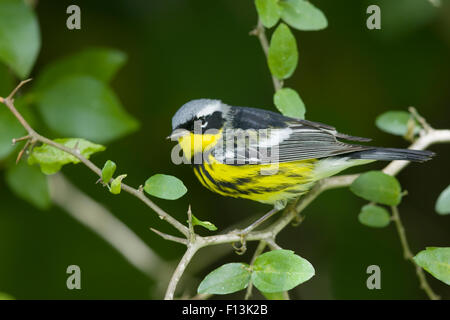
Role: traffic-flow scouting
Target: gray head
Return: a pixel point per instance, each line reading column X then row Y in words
column 211, row 112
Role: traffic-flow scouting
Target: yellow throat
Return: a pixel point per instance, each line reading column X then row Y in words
column 192, row 144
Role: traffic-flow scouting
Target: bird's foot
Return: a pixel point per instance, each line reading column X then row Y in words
column 298, row 219
column 241, row 247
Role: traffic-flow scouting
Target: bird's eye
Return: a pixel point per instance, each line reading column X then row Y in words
column 204, row 124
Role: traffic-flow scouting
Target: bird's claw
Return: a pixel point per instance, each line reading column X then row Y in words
column 298, row 219
column 242, row 248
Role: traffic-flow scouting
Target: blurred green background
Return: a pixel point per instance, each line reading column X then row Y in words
column 180, row 50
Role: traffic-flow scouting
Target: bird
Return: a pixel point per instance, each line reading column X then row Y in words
column 267, row 157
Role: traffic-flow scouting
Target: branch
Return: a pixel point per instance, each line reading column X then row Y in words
column 269, row 234
column 428, row 136
column 260, row 32
column 34, row 137
column 187, row 257
column 169, row 237
column 407, row 254
column 259, row 250
column 195, row 242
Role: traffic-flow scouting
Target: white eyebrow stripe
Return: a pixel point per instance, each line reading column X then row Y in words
column 209, row 109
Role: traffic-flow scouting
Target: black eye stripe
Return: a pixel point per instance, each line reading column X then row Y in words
column 213, row 121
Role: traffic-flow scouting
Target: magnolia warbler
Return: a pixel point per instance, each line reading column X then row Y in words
column 264, row 156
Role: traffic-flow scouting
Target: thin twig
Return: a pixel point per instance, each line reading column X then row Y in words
column 9, row 102
column 407, row 254
column 260, row 32
column 273, row 245
column 335, row 182
column 431, row 137
column 259, row 249
column 169, row 237
column 393, row 168
column 13, row 93
column 423, row 142
column 420, row 119
column 25, row 147
column 187, row 257
column 15, row 140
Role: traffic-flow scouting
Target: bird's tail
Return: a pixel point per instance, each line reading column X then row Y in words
column 389, row 154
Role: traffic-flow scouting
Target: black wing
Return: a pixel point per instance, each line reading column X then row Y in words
column 289, row 139
column 314, row 142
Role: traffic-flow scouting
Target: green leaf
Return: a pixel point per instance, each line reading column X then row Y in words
column 443, row 202
column 436, row 261
column 205, row 224
column 99, row 63
column 52, row 159
column 280, row 270
column 396, row 122
column 85, row 107
column 116, row 184
column 283, row 54
column 274, row 295
column 20, row 39
column 165, row 187
column 108, row 171
column 302, row 15
column 74, row 99
column 229, row 278
column 374, row 216
column 268, row 11
column 28, row 183
column 379, row 187
column 289, row 103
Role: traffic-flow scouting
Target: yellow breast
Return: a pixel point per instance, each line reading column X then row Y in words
column 250, row 181
column 288, row 180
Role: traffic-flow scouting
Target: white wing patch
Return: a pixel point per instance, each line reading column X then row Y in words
column 273, row 137
column 277, row 145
